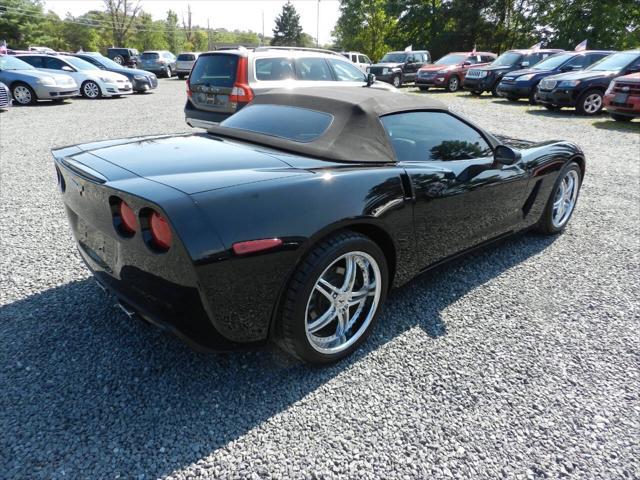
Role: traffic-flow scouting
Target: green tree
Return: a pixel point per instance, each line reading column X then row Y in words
column 366, row 26
column 149, row 34
column 21, row 22
column 288, row 30
column 122, row 17
column 171, row 30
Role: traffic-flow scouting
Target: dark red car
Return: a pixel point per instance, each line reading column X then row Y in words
column 622, row 98
column 449, row 71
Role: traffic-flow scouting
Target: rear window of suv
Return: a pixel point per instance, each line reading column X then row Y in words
column 186, row 57
column 216, row 70
column 150, row 55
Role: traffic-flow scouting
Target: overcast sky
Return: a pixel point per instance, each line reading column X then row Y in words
column 229, row 14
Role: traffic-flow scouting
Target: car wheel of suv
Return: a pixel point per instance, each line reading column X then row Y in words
column 475, row 93
column 333, row 299
column 118, row 59
column 424, row 89
column 532, row 98
column 552, row 108
column 23, row 94
column 562, row 200
column 512, row 98
column 396, row 81
column 168, row 72
column 494, row 90
column 620, row 118
column 590, row 102
column 91, row 90
column 182, row 75
column 454, row 84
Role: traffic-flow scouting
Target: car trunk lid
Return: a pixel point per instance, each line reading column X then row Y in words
column 212, row 80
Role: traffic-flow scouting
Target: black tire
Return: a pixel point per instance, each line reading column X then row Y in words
column 182, row 76
column 168, row 72
column 291, row 329
column 546, row 225
column 424, row 89
column 552, row 108
column 587, row 102
column 453, row 85
column 475, row 93
column 23, row 94
column 494, row 89
column 512, row 98
column 119, row 59
column 88, row 89
column 396, row 81
column 620, row 118
column 532, row 98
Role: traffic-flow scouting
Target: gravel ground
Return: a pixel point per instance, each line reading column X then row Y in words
column 517, row 362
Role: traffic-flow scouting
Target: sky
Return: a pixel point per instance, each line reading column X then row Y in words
column 229, row 14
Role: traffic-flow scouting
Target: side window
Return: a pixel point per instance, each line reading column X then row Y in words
column 472, row 59
column 313, row 69
column 54, row 63
column 33, row 61
column 354, row 58
column 594, row 57
column 362, row 59
column 272, row 69
column 346, row 72
column 367, row 59
column 579, row 61
column 439, row 136
column 411, row 58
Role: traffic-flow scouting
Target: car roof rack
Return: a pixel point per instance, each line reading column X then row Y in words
column 302, row 49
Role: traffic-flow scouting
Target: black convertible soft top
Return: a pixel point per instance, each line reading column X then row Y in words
column 356, row 133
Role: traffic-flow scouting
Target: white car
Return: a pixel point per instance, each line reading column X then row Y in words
column 360, row 59
column 185, row 62
column 94, row 83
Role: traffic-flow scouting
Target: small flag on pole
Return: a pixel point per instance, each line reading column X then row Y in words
column 409, row 48
column 473, row 52
column 3, row 47
column 581, row 47
column 536, row 46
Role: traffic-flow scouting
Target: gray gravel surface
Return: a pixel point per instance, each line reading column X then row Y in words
column 517, row 362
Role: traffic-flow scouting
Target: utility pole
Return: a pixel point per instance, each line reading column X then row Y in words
column 318, row 25
column 208, row 35
column 262, row 40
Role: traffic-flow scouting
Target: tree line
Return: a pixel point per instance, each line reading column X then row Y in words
column 441, row 26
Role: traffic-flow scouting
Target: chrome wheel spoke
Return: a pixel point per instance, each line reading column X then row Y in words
column 323, row 320
column 326, row 289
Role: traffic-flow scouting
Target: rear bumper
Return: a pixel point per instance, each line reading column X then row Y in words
column 557, row 97
column 203, row 119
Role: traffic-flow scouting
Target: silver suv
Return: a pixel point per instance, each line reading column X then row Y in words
column 224, row 81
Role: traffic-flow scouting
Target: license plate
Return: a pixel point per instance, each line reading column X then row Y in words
column 98, row 246
column 213, row 99
column 621, row 97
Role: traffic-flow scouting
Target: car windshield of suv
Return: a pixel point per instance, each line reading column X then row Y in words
column 614, row 62
column 451, row 60
column 149, row 56
column 13, row 63
column 394, row 58
column 507, row 59
column 293, row 123
column 80, row 64
column 553, row 62
column 215, row 70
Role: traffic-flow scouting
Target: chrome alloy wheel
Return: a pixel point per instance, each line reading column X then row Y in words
column 343, row 302
column 91, row 90
column 565, row 198
column 453, row 84
column 22, row 95
column 593, row 103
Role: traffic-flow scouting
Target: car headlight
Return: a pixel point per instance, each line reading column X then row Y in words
column 385, row 71
column 483, row 73
column 568, row 83
column 47, row 81
column 106, row 79
column 525, row 77
column 139, row 77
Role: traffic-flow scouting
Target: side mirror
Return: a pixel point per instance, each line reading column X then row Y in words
column 371, row 78
column 67, row 68
column 504, row 155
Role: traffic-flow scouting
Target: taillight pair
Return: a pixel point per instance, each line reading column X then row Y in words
column 154, row 226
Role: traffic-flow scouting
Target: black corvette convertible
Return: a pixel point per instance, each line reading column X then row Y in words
column 291, row 220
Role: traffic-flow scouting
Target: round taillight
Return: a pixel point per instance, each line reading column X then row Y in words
column 128, row 216
column 160, row 231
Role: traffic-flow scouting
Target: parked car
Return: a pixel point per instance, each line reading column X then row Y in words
column 359, row 59
column 487, row 78
column 585, row 90
column 94, row 83
column 48, row 50
column 397, row 68
column 160, row 62
column 28, row 85
column 449, row 71
column 523, row 83
column 128, row 57
column 199, row 233
column 141, row 80
column 184, row 63
column 622, row 98
column 5, row 96
column 223, row 82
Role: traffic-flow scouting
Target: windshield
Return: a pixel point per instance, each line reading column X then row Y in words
column 614, row 62
column 507, row 59
column 394, row 58
column 451, row 60
column 107, row 62
column 80, row 64
column 13, row 63
column 553, row 62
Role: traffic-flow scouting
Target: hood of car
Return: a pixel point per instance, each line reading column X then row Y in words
column 584, row 75
column 527, row 71
column 438, row 68
column 388, row 65
column 192, row 163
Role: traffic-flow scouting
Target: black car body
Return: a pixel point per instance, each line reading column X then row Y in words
column 585, row 90
column 397, row 68
column 141, row 80
column 127, row 57
column 244, row 212
column 487, row 78
column 523, row 83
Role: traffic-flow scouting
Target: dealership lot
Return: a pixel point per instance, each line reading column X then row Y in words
column 517, row 362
